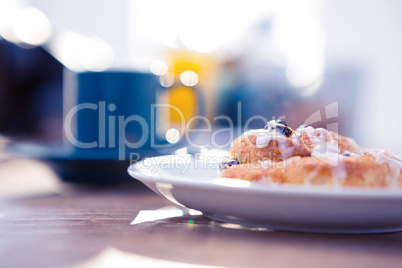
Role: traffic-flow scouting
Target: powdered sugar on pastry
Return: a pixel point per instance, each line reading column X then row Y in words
column 264, row 137
column 312, row 156
column 394, row 163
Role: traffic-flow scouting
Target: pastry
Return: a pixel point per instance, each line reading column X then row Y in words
column 310, row 156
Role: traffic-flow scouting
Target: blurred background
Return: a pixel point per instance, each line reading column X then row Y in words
column 247, row 58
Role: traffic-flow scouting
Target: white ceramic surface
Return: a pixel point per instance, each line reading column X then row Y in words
column 195, row 183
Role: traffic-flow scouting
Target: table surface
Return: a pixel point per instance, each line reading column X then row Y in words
column 46, row 223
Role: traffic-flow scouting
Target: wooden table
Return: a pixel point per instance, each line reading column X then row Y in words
column 127, row 225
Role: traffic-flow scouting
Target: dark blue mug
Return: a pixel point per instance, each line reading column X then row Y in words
column 112, row 114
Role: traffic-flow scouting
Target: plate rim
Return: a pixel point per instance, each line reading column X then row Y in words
column 259, row 188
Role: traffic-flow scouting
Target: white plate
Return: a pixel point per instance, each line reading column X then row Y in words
column 195, row 183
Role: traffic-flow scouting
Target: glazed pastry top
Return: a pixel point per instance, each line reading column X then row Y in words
column 278, row 143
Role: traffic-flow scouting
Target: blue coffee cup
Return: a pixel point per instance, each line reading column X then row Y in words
column 111, row 114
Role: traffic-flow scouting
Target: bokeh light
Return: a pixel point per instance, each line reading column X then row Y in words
column 8, row 14
column 172, row 135
column 158, row 67
column 300, row 38
column 167, row 80
column 79, row 53
column 32, row 27
column 97, row 55
column 24, row 25
column 189, row 78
